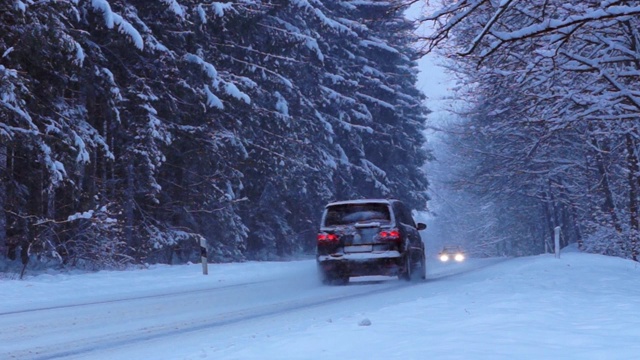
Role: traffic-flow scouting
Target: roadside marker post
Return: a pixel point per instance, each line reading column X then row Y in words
column 203, row 255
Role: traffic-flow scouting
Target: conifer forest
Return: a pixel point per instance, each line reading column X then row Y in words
column 132, row 129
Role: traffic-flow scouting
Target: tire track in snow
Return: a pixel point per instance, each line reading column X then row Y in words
column 131, row 298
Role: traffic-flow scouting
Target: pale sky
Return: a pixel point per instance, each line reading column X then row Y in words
column 432, row 80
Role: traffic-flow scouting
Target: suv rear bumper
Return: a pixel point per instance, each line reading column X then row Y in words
column 388, row 263
column 365, row 256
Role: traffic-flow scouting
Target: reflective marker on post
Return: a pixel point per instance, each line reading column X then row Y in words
column 203, row 255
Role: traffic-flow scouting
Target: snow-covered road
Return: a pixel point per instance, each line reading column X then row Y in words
column 581, row 306
column 78, row 324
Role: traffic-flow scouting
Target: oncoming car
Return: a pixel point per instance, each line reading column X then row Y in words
column 369, row 237
column 452, row 253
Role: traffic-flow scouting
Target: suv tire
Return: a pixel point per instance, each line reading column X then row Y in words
column 407, row 272
column 423, row 266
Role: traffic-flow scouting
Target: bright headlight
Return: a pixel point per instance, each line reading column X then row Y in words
column 459, row 257
column 444, row 257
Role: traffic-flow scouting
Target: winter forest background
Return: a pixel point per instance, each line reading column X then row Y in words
column 131, row 129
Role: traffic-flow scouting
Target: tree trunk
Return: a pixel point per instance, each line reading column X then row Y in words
column 632, row 164
column 4, row 177
column 608, row 207
column 578, row 230
column 568, row 227
column 129, row 204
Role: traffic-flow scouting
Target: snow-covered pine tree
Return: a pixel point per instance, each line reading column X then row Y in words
column 397, row 145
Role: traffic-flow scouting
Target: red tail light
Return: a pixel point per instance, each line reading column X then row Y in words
column 327, row 237
column 392, row 234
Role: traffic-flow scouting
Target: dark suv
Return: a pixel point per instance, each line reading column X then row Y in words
column 369, row 237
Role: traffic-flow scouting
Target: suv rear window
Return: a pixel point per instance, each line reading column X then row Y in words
column 352, row 213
